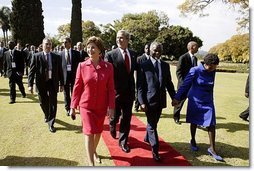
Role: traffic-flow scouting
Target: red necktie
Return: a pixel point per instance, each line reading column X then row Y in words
column 127, row 61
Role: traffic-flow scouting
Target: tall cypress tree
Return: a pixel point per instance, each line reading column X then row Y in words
column 27, row 21
column 76, row 22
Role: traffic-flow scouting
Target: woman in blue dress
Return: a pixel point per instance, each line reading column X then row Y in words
column 198, row 87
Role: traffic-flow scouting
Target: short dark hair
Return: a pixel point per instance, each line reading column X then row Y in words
column 211, row 58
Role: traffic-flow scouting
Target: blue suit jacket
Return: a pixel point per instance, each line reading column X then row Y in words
column 151, row 89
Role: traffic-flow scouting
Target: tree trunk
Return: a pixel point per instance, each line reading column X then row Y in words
column 76, row 22
column 4, row 38
column 7, row 37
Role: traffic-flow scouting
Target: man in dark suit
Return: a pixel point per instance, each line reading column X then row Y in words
column 70, row 61
column 2, row 50
column 14, row 70
column 82, row 52
column 184, row 65
column 47, row 68
column 245, row 114
column 153, row 79
column 140, row 60
column 124, row 62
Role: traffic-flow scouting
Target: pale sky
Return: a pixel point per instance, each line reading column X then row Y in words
column 219, row 26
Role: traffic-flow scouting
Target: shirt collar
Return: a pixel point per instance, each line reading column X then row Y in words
column 154, row 60
column 190, row 55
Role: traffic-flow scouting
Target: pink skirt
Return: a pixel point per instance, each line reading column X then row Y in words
column 92, row 120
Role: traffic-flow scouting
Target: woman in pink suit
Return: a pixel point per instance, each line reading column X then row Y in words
column 94, row 94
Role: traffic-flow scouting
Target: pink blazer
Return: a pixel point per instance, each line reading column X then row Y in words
column 94, row 87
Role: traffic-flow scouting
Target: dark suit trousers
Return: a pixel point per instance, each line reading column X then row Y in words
column 68, row 87
column 153, row 115
column 13, row 80
column 178, row 108
column 48, row 101
column 136, row 102
column 123, row 110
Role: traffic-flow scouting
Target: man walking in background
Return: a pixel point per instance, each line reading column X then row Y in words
column 2, row 50
column 14, row 70
column 70, row 60
column 245, row 114
column 140, row 60
column 185, row 62
column 46, row 67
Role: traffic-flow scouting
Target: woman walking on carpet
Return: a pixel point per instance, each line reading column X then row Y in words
column 94, row 94
column 198, row 86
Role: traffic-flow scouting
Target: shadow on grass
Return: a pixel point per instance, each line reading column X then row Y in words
column 68, row 127
column 233, row 126
column 4, row 89
column 226, row 151
column 35, row 161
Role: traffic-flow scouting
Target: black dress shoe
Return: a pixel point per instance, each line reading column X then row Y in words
column 156, row 157
column 245, row 119
column 11, row 102
column 112, row 132
column 23, row 95
column 177, row 121
column 68, row 113
column 125, row 148
column 52, row 129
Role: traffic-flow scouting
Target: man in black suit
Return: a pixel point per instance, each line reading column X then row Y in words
column 140, row 60
column 2, row 50
column 70, row 61
column 153, row 79
column 47, row 68
column 82, row 52
column 124, row 62
column 245, row 114
column 185, row 62
column 14, row 69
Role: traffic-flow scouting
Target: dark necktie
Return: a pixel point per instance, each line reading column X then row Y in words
column 194, row 61
column 156, row 67
column 47, row 65
column 127, row 61
column 68, row 58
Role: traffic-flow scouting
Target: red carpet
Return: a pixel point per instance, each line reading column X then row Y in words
column 140, row 154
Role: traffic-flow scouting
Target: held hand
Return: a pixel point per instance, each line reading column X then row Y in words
column 110, row 113
column 73, row 114
column 175, row 102
column 143, row 107
column 30, row 89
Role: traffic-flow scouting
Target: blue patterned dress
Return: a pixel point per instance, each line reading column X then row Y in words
column 198, row 87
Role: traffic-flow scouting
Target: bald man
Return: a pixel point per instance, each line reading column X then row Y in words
column 185, row 63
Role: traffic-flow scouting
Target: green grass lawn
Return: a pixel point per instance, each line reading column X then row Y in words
column 26, row 141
